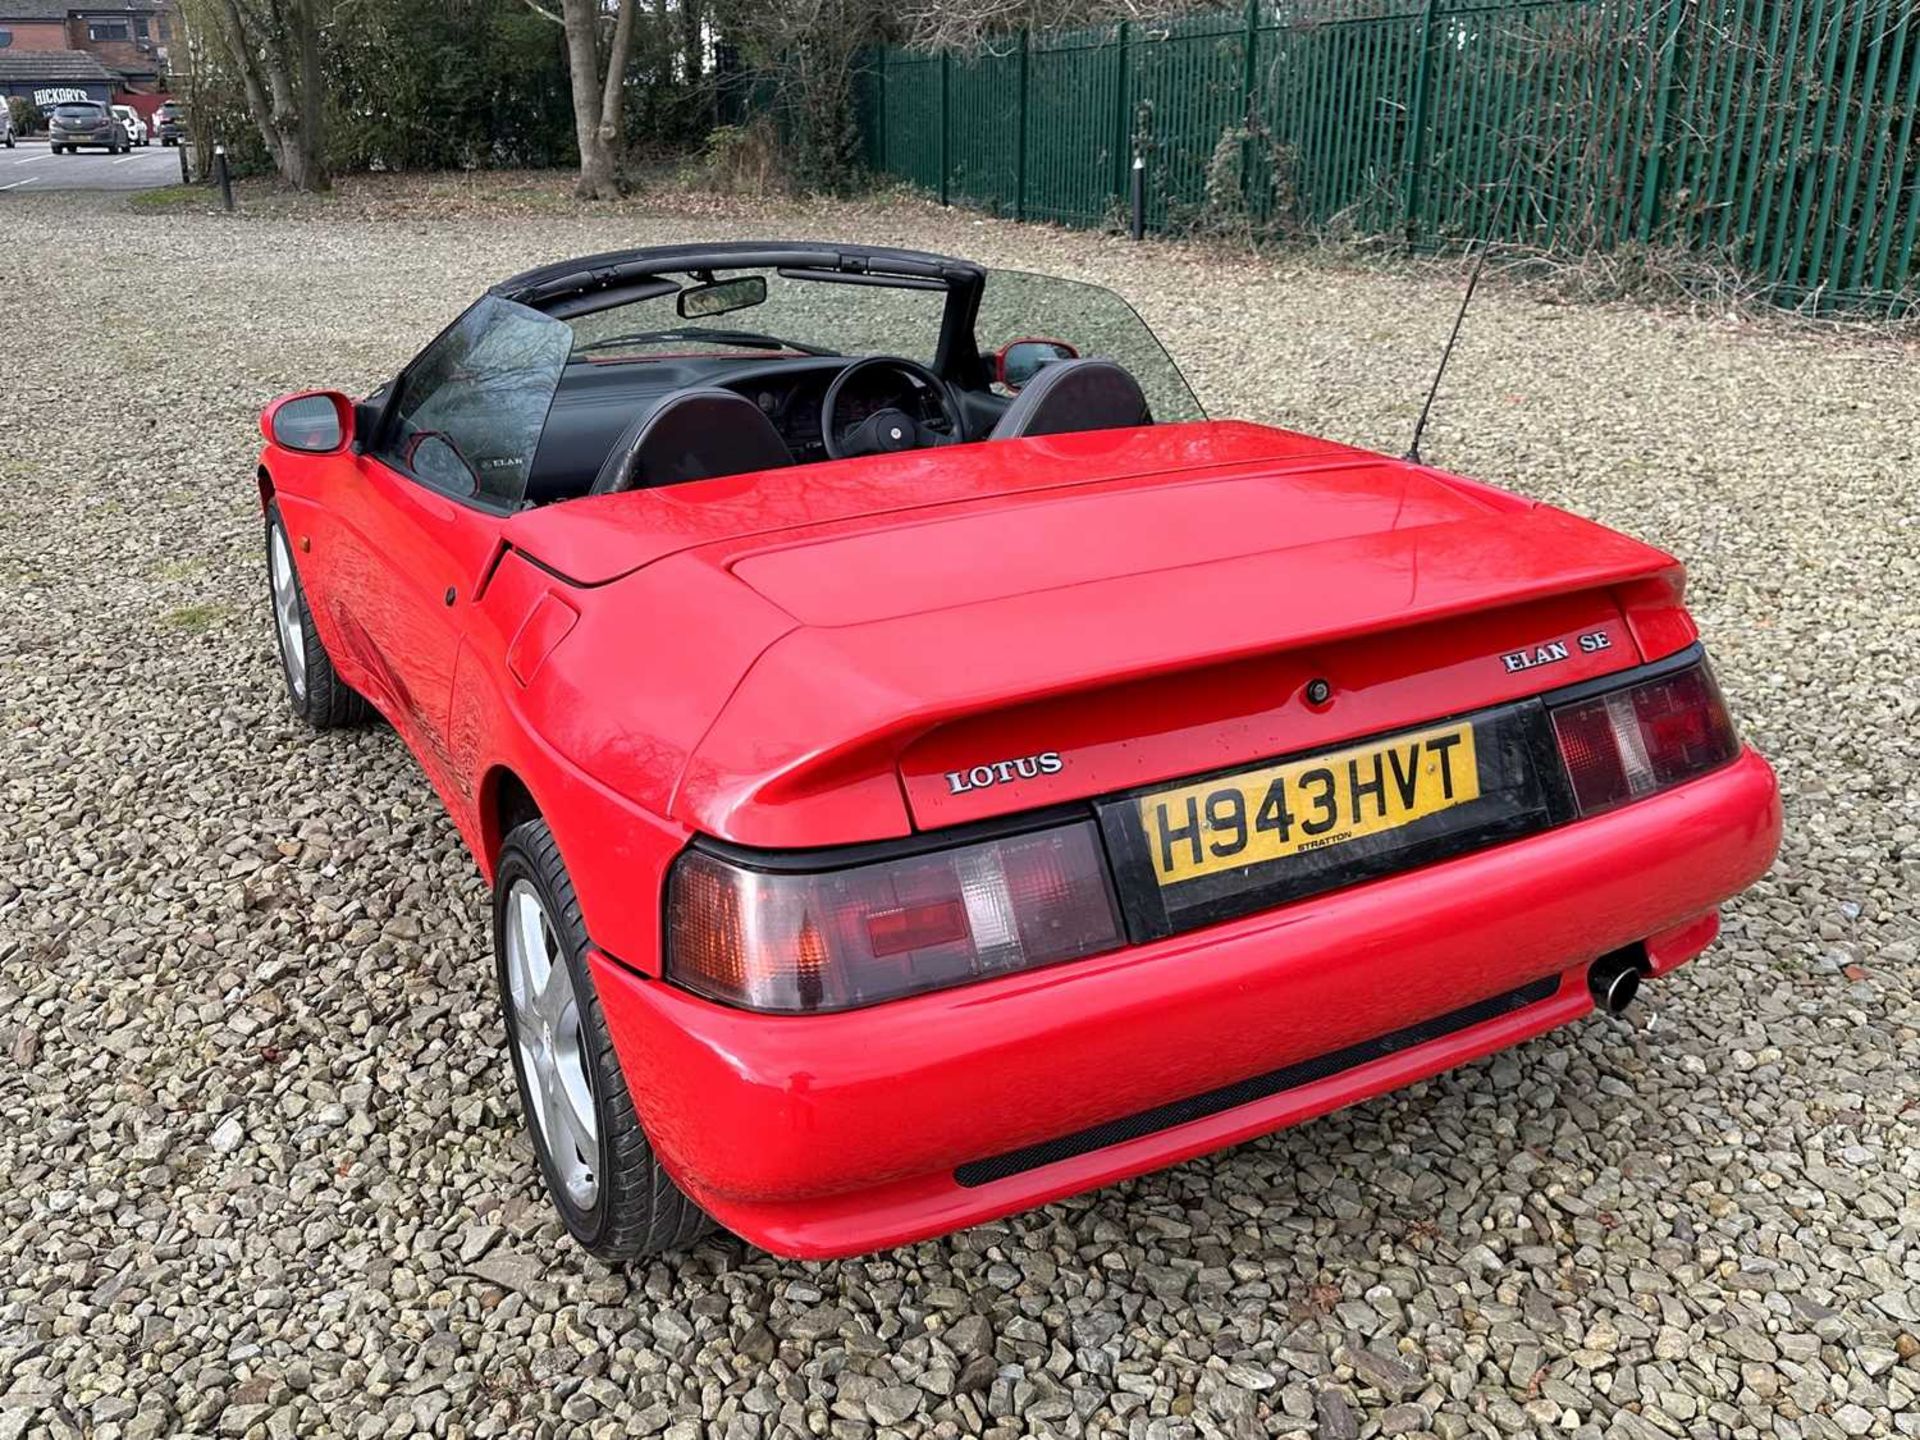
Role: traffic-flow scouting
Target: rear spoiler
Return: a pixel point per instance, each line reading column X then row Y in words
column 850, row 698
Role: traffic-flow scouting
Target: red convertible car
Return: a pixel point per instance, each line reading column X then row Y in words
column 925, row 768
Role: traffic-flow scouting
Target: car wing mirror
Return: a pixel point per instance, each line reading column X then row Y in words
column 314, row 422
column 1018, row 361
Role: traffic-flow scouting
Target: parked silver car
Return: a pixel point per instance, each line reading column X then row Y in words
column 6, row 124
column 78, row 123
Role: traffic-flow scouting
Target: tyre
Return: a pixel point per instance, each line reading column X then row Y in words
column 600, row 1171
column 318, row 694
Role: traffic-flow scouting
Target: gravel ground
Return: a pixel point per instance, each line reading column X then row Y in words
column 265, row 1172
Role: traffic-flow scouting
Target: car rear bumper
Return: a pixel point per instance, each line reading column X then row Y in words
column 837, row 1134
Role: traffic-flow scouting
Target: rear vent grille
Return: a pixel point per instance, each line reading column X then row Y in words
column 1244, row 1092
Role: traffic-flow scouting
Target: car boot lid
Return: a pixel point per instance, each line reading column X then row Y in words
column 971, row 661
column 596, row 540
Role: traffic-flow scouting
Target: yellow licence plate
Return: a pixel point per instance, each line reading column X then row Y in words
column 1282, row 810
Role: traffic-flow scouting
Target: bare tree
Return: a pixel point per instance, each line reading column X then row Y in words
column 274, row 47
column 597, row 69
column 811, row 51
column 963, row 24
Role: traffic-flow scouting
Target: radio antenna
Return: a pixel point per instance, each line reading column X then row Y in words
column 1473, row 283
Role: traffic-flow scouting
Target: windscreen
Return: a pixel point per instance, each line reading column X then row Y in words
column 1092, row 320
column 724, row 312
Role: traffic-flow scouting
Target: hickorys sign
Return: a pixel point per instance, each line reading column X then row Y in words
column 48, row 79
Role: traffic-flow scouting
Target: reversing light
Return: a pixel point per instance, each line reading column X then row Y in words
column 781, row 941
column 1643, row 738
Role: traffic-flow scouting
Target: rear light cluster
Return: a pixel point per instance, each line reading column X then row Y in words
column 1633, row 741
column 801, row 942
column 812, row 942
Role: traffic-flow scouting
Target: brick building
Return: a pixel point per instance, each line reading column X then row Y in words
column 53, row 50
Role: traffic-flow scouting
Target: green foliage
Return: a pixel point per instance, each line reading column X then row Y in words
column 446, row 84
column 806, row 60
column 220, row 117
column 670, row 107
column 170, row 197
column 412, row 85
column 740, row 160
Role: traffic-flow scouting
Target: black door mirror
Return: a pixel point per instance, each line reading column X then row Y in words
column 1020, row 360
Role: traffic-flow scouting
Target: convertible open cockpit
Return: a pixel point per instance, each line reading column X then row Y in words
column 618, row 373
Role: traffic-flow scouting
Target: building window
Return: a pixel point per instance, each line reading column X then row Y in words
column 6, row 38
column 106, row 30
column 140, row 27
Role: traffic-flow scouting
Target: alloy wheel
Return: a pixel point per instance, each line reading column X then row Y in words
column 286, row 614
column 551, row 1043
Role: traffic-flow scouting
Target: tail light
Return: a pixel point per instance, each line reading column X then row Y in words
column 1642, row 738
column 781, row 941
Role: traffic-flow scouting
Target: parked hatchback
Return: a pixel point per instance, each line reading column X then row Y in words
column 171, row 122
column 6, row 126
column 87, row 123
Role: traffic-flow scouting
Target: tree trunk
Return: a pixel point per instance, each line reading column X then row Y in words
column 613, row 100
column 287, row 117
column 596, row 99
column 313, row 157
column 692, row 42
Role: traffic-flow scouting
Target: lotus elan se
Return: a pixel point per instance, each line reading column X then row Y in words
column 925, row 768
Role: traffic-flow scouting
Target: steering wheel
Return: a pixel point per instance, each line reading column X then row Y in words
column 889, row 428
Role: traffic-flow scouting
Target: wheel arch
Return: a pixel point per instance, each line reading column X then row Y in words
column 506, row 800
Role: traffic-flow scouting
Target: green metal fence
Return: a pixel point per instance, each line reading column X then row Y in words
column 1774, row 137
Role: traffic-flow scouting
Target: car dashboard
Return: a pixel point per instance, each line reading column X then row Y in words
column 598, row 398
column 795, row 403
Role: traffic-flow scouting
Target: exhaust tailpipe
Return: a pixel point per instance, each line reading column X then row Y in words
column 1615, row 979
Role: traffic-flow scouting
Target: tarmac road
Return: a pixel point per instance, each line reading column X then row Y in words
column 32, row 166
